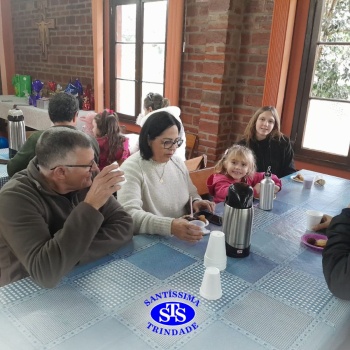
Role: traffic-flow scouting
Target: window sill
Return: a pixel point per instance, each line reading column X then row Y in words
column 130, row 127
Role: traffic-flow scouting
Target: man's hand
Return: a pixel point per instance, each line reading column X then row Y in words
column 104, row 185
column 325, row 221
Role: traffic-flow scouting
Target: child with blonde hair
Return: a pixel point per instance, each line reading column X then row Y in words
column 236, row 165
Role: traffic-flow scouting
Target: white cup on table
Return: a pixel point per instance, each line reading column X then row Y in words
column 313, row 217
column 211, row 284
column 215, row 254
column 198, row 223
column 308, row 181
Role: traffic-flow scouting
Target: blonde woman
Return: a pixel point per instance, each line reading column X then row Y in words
column 271, row 148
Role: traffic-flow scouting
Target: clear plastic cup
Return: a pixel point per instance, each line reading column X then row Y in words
column 308, row 181
column 198, row 223
column 121, row 183
column 313, row 217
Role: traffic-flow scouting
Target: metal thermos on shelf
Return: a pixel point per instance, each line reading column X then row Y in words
column 16, row 131
column 238, row 220
column 267, row 191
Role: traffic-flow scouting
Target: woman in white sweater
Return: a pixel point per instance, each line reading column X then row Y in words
column 158, row 188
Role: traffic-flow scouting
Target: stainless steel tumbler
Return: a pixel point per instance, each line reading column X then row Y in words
column 16, row 131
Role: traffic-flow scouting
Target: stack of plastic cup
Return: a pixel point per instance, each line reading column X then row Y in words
column 215, row 254
column 211, row 284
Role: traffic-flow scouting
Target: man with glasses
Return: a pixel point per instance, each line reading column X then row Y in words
column 63, row 111
column 53, row 216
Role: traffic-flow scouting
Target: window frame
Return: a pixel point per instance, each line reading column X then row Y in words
column 304, row 92
column 138, row 55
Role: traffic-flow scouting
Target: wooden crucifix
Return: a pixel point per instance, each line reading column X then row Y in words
column 43, row 26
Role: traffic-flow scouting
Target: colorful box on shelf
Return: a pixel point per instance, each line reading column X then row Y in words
column 43, row 103
column 22, row 85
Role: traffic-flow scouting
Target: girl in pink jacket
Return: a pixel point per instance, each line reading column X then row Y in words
column 236, row 165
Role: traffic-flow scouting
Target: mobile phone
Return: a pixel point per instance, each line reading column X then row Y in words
column 212, row 218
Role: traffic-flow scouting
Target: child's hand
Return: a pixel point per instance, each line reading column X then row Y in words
column 257, row 189
column 277, row 188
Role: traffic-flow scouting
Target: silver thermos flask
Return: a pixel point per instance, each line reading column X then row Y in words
column 238, row 220
column 267, row 191
column 16, row 131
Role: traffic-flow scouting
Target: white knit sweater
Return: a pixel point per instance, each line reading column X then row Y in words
column 154, row 204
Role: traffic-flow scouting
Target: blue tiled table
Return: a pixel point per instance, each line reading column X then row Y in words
column 4, row 154
column 276, row 298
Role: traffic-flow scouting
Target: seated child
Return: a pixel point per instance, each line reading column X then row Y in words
column 236, row 165
column 113, row 145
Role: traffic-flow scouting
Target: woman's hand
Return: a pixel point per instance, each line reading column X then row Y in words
column 184, row 230
column 203, row 205
column 277, row 189
column 325, row 221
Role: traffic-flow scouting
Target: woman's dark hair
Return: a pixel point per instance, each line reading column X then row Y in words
column 107, row 123
column 153, row 127
column 155, row 101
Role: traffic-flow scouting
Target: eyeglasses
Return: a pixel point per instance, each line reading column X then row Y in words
column 150, row 96
column 168, row 144
column 92, row 163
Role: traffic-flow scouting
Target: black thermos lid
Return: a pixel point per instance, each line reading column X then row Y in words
column 240, row 196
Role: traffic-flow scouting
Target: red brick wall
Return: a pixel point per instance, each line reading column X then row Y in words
column 223, row 66
column 223, row 69
column 70, row 53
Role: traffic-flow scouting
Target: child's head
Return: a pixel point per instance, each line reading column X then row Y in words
column 154, row 101
column 237, row 162
column 264, row 123
column 106, row 123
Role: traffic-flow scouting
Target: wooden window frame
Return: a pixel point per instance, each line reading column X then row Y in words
column 303, row 95
column 174, row 40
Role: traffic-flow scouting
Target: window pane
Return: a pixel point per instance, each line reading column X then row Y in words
column 327, row 127
column 154, row 20
column 125, row 23
column 153, row 63
column 332, row 72
column 125, row 99
column 336, row 21
column 125, row 61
